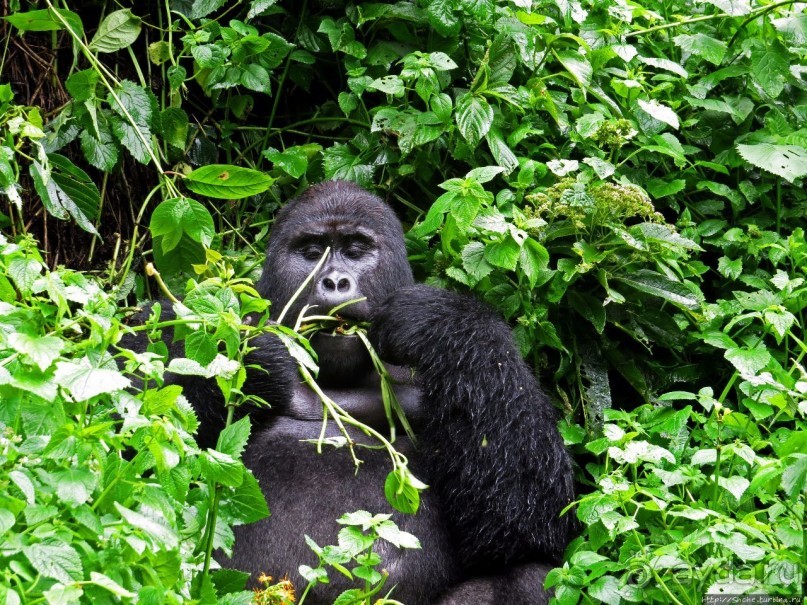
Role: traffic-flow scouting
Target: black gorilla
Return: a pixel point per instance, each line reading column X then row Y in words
column 488, row 446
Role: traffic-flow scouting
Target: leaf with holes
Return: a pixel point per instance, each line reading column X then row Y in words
column 227, row 182
column 786, row 161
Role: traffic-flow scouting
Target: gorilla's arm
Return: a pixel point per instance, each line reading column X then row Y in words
column 271, row 374
column 495, row 456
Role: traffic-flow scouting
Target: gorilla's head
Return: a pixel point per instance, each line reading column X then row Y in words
column 367, row 259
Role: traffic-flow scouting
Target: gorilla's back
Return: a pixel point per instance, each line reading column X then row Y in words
column 307, row 492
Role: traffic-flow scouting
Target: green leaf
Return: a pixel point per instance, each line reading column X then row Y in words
column 400, row 493
column 769, row 64
column 42, row 350
column 246, row 502
column 200, row 346
column 59, row 594
column 256, row 77
column 109, row 584
column 45, row 20
column 202, row 8
column 577, row 65
column 473, row 261
column 227, row 182
column 786, row 161
column 135, row 109
column 504, row 254
column 55, row 186
column 656, row 284
column 103, row 152
column 702, row 45
column 57, row 561
column 82, row 84
column 388, row 531
column 391, row 85
column 221, row 468
column 748, row 362
column 181, row 216
column 74, row 486
column 501, row 152
column 153, row 526
column 341, row 163
column 442, row 17
column 118, row 30
column 474, row 117
column 660, row 112
column 233, row 439
column 794, row 476
column 293, row 161
column 533, row 260
column 174, row 127
column 83, row 381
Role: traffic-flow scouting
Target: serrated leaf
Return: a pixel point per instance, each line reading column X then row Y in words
column 74, row 486
column 501, row 152
column 293, row 161
column 233, row 439
column 221, row 468
column 57, row 561
column 103, row 152
column 702, row 45
column 474, row 117
column 246, row 502
column 83, row 381
column 118, row 30
column 202, row 8
column 67, row 191
column 665, row 64
column 181, row 216
column 503, row 254
column 227, row 182
column 748, row 362
column 42, row 350
column 156, row 528
column 388, row 531
column 786, row 161
column 340, row 162
column 769, row 65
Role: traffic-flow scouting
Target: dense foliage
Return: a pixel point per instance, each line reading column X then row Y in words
column 623, row 181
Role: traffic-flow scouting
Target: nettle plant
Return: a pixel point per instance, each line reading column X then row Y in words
column 623, row 182
column 104, row 492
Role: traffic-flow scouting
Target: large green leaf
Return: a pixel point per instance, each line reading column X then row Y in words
column 46, row 20
column 66, row 191
column 226, row 182
column 57, row 561
column 181, row 216
column 786, row 161
column 118, row 30
column 474, row 117
column 656, row 284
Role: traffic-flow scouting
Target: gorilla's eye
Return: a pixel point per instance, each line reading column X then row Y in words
column 312, row 251
column 354, row 252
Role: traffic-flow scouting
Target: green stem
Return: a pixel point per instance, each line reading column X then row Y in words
column 285, row 73
column 213, row 513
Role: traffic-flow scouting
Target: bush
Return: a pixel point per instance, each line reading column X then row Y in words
column 623, row 182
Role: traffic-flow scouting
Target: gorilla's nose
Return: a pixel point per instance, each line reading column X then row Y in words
column 336, row 287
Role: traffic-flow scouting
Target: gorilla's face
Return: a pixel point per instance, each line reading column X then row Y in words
column 367, row 259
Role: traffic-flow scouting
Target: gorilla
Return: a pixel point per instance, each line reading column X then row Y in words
column 487, row 441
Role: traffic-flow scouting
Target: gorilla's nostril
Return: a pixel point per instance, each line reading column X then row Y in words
column 343, row 285
column 329, row 284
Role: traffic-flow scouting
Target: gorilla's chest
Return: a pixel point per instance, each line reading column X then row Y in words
column 307, row 492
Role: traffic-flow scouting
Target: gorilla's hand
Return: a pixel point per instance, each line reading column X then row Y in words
column 427, row 327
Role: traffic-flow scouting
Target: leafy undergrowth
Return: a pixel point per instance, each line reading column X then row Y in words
column 624, row 182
